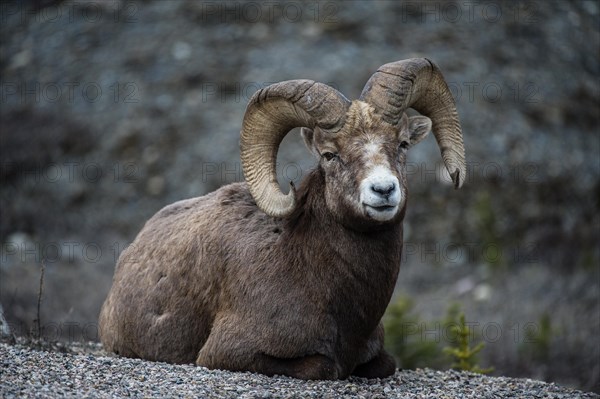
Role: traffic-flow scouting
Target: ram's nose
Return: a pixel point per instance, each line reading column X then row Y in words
column 384, row 188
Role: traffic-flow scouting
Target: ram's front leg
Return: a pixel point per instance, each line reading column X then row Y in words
column 310, row 367
column 230, row 347
column 375, row 362
column 381, row 366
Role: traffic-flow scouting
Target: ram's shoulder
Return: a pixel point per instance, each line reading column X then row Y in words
column 237, row 194
column 231, row 194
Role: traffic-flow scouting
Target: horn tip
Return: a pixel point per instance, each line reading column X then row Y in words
column 457, row 178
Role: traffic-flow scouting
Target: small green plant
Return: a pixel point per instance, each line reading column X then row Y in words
column 404, row 336
column 538, row 338
column 415, row 343
column 464, row 357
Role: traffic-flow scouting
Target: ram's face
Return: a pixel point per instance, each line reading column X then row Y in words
column 365, row 164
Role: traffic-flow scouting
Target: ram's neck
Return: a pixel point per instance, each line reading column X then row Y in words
column 361, row 267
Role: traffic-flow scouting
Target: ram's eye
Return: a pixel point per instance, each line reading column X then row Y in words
column 329, row 155
column 404, row 145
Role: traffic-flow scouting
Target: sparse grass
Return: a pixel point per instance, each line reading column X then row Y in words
column 537, row 340
column 38, row 321
column 488, row 230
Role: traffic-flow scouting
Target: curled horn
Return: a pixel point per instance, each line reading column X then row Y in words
column 418, row 83
column 271, row 113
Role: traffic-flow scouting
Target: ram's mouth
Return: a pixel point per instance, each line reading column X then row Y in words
column 381, row 208
column 380, row 212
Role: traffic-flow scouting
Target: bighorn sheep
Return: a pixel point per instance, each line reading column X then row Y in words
column 248, row 278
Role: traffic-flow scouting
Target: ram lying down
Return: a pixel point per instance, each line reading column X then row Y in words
column 248, row 278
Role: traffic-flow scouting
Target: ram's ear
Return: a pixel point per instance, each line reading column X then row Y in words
column 418, row 128
column 308, row 135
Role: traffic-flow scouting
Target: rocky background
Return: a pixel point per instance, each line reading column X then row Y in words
column 112, row 109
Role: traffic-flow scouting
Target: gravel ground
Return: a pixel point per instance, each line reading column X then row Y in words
column 31, row 373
